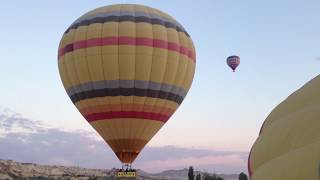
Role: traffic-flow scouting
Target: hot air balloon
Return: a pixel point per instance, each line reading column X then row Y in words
column 288, row 146
column 233, row 62
column 126, row 68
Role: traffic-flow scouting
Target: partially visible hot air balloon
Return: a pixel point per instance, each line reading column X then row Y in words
column 288, row 146
column 233, row 62
column 127, row 68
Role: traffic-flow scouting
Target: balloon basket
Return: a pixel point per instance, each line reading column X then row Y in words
column 126, row 172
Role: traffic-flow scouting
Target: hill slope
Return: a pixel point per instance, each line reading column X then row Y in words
column 15, row 170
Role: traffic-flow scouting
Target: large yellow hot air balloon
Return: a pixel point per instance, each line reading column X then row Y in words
column 288, row 147
column 126, row 68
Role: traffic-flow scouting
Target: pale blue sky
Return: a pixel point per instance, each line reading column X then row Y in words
column 278, row 43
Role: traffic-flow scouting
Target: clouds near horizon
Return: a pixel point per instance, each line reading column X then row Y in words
column 27, row 140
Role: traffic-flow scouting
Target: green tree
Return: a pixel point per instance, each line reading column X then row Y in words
column 207, row 176
column 219, row 178
column 243, row 176
column 190, row 173
column 198, row 177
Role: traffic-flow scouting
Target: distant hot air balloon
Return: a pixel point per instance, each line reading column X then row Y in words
column 126, row 68
column 288, row 146
column 233, row 62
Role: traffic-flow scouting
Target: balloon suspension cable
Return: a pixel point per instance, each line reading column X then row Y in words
column 126, row 166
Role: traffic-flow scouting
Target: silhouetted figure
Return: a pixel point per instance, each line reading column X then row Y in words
column 190, row 173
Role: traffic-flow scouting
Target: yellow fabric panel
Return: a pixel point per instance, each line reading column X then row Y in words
column 163, row 108
column 299, row 164
column 189, row 74
column 63, row 74
column 110, row 50
column 287, row 138
column 181, row 72
column 150, row 102
column 171, row 104
column 80, row 56
column 126, row 99
column 111, row 66
column 158, row 68
column 110, row 61
column 171, row 68
column 62, row 67
column 173, row 36
column 110, row 29
column 70, row 61
column 80, row 34
column 94, row 54
column 144, row 30
column 139, row 8
column 183, row 39
column 139, row 100
column 173, row 58
column 71, row 70
column 160, row 53
column 95, row 67
column 179, row 69
column 87, row 62
column 190, row 69
column 94, row 31
column 183, row 63
column 127, row 8
column 143, row 56
column 84, row 103
column 159, row 32
column 143, row 66
column 82, row 66
column 295, row 101
column 131, row 128
column 127, row 52
column 290, row 138
column 127, row 28
column 127, row 64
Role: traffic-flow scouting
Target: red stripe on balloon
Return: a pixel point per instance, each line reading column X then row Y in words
column 126, row 114
column 124, row 40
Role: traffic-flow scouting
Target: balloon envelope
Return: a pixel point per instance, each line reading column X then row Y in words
column 233, row 62
column 126, row 68
column 288, row 146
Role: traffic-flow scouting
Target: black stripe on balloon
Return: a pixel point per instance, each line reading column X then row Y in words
column 144, row 19
column 126, row 92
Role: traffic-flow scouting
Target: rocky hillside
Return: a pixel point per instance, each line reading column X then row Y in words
column 14, row 170
column 183, row 175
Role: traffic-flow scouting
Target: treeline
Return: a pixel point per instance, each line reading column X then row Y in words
column 208, row 176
